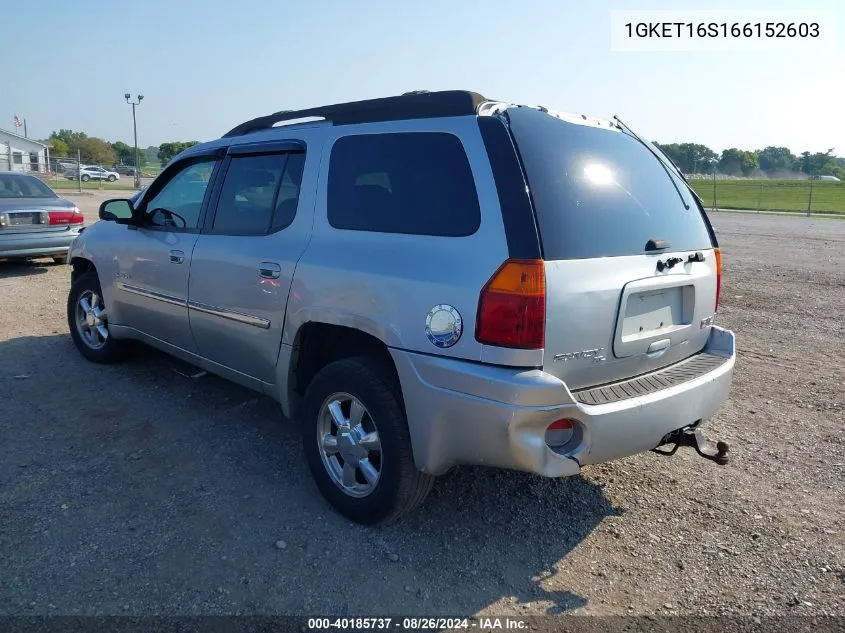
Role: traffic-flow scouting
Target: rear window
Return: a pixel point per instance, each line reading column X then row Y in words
column 417, row 182
column 24, row 187
column 600, row 193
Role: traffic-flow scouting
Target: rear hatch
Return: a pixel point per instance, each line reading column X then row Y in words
column 631, row 270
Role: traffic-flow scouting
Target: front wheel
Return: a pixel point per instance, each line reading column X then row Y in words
column 356, row 441
column 112, row 178
column 89, row 322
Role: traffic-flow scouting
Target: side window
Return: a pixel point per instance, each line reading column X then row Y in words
column 178, row 204
column 417, row 182
column 288, row 197
column 259, row 194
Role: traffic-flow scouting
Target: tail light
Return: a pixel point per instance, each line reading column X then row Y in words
column 718, row 276
column 512, row 306
column 72, row 216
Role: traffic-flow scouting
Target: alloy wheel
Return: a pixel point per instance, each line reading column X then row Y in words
column 349, row 444
column 91, row 319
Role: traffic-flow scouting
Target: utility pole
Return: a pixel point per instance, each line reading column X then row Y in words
column 127, row 96
column 713, row 163
column 810, row 201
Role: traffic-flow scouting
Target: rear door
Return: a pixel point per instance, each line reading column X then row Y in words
column 631, row 271
column 244, row 260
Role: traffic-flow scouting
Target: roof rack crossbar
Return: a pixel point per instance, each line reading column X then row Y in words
column 413, row 105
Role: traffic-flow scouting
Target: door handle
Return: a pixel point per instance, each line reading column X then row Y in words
column 269, row 270
column 658, row 348
column 177, row 257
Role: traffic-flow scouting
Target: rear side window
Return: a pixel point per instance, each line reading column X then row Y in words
column 259, row 194
column 417, row 183
column 599, row 193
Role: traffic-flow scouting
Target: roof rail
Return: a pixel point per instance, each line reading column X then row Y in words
column 411, row 105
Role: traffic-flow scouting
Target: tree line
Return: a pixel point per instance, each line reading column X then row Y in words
column 93, row 150
column 691, row 158
column 772, row 162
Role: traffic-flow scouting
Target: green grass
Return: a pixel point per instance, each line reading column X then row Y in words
column 63, row 184
column 773, row 195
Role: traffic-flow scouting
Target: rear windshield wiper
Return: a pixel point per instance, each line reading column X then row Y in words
column 621, row 125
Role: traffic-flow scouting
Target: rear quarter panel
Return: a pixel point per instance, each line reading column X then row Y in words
column 385, row 284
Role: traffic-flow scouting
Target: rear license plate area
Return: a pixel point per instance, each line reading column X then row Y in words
column 24, row 219
column 656, row 312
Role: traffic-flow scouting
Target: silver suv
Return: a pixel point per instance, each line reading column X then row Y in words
column 424, row 281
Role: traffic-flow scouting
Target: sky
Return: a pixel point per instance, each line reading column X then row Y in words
column 205, row 66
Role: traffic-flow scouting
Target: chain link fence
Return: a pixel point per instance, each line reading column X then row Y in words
column 806, row 196
column 69, row 173
column 60, row 173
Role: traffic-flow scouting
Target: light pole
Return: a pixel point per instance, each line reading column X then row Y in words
column 127, row 96
column 713, row 163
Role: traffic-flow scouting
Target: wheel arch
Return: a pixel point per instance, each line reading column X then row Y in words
column 80, row 266
column 318, row 343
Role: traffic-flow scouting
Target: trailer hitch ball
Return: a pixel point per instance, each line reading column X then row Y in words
column 694, row 437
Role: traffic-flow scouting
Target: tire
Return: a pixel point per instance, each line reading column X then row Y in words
column 112, row 179
column 60, row 259
column 85, row 177
column 400, row 487
column 107, row 349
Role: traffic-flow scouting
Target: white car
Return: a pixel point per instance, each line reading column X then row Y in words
column 94, row 173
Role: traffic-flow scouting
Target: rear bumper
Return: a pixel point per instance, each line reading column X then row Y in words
column 468, row 413
column 43, row 244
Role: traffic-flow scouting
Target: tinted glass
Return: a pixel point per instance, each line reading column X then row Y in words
column 249, row 190
column 599, row 193
column 288, row 196
column 418, row 183
column 179, row 202
column 24, row 187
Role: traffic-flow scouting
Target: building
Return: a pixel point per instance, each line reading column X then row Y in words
column 18, row 153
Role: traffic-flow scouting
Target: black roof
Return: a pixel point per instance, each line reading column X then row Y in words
column 411, row 105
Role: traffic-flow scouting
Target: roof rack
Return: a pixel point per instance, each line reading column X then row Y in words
column 411, row 105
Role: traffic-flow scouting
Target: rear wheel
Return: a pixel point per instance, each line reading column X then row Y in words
column 356, row 441
column 85, row 178
column 89, row 323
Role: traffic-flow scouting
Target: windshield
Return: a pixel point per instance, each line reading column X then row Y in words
column 24, row 187
column 599, row 192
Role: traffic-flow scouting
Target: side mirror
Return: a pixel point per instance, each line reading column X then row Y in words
column 117, row 210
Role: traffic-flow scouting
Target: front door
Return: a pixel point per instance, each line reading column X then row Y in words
column 244, row 260
column 154, row 257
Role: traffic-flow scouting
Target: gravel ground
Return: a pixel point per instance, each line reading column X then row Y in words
column 134, row 490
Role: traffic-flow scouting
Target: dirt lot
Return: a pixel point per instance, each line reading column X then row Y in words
column 131, row 489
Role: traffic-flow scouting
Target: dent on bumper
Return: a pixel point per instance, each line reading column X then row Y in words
column 468, row 413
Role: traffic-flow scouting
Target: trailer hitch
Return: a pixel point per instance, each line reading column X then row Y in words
column 692, row 436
